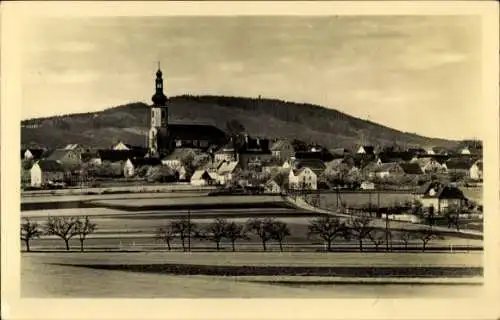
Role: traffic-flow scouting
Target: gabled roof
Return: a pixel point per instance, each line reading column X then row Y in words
column 59, row 154
column 479, row 164
column 385, row 167
column 203, row 174
column 446, row 192
column 458, row 164
column 227, row 167
column 317, row 166
column 368, row 149
column 281, row 144
column 298, row 171
column 180, row 153
column 394, row 156
column 50, row 166
column 120, row 155
column 37, row 153
column 424, row 188
column 139, row 162
column 411, row 168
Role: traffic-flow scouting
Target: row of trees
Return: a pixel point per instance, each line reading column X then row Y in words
column 327, row 228
column 65, row 228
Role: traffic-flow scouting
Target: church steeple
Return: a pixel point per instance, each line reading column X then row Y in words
column 159, row 98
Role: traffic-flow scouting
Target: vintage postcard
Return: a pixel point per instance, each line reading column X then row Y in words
column 250, row 160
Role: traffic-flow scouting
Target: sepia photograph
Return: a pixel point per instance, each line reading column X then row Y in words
column 269, row 156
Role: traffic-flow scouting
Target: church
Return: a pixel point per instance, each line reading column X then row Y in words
column 165, row 136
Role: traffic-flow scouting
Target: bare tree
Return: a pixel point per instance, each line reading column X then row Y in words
column 29, row 230
column 185, row 229
column 279, row 231
column 378, row 237
column 328, row 228
column 234, row 232
column 426, row 235
column 262, row 228
column 84, row 227
column 360, row 228
column 165, row 234
column 63, row 227
column 216, row 231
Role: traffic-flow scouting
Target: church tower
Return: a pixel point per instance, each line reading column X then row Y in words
column 158, row 133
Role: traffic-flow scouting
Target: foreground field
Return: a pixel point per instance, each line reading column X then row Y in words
column 43, row 276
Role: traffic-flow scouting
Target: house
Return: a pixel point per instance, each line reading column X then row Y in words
column 440, row 197
column 121, row 146
column 46, row 171
column 91, row 157
column 394, row 156
column 106, row 155
column 254, row 152
column 303, row 179
column 272, row 186
column 203, row 178
column 465, row 151
column 175, row 158
column 282, row 149
column 227, row 170
column 70, row 155
column 132, row 165
column 411, row 169
column 416, row 151
column 75, row 147
column 196, row 135
column 386, row 170
column 367, row 185
column 339, row 152
column 366, row 150
column 32, row 154
column 428, row 164
column 458, row 165
column 316, row 165
column 438, row 151
column 226, row 153
column 476, row 170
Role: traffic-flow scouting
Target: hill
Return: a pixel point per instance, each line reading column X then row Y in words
column 261, row 117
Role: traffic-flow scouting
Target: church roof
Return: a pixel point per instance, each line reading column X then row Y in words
column 186, row 131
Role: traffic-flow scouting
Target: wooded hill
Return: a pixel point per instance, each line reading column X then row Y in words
column 261, row 117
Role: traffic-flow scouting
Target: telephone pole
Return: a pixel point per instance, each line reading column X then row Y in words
column 189, row 230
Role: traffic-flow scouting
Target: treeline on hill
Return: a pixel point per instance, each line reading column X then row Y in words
column 261, row 117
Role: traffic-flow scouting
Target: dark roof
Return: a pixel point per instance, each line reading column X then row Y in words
column 447, row 192
column 139, row 162
column 50, row 166
column 369, row 149
column 394, row 156
column 37, row 153
column 458, row 164
column 59, row 154
column 195, row 132
column 479, row 164
column 281, row 144
column 415, row 151
column 411, row 168
column 86, row 156
column 120, row 155
column 423, row 189
column 315, row 165
column 319, row 155
column 255, row 144
column 360, row 160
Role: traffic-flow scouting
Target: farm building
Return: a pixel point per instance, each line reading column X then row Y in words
column 476, row 170
column 45, row 171
column 203, row 178
column 226, row 171
column 440, row 197
column 282, row 149
column 132, row 166
column 303, row 179
column 272, row 186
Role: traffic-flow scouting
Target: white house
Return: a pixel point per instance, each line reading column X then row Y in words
column 120, row 146
column 441, row 197
column 365, row 150
column 203, row 178
column 465, row 151
column 428, row 164
column 476, row 170
column 367, row 185
column 430, row 151
column 226, row 171
column 128, row 169
column 272, row 186
column 45, row 171
column 303, row 178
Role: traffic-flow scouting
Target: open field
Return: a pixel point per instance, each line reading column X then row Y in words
column 41, row 276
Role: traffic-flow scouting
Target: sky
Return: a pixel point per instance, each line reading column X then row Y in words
column 413, row 73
